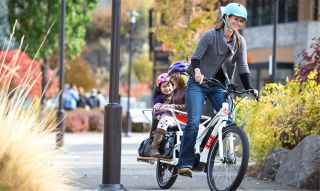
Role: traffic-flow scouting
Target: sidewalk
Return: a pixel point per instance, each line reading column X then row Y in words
column 83, row 154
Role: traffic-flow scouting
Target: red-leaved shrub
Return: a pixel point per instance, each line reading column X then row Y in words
column 310, row 62
column 76, row 121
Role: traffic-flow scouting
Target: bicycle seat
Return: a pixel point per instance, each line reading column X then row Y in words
column 183, row 118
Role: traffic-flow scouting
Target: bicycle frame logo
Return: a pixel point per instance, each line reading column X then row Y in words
column 209, row 142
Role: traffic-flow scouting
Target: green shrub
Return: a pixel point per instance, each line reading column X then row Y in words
column 284, row 115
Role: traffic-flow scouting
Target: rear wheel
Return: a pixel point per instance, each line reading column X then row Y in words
column 166, row 174
column 227, row 173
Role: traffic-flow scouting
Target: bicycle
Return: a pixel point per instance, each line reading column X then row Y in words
column 225, row 165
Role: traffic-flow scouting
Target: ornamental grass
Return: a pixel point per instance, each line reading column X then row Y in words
column 29, row 160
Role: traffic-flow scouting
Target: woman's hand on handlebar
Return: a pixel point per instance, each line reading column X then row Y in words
column 198, row 77
column 254, row 93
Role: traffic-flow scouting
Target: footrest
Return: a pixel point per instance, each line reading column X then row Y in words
column 150, row 160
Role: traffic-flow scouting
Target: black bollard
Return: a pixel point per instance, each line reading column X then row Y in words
column 112, row 148
column 111, row 170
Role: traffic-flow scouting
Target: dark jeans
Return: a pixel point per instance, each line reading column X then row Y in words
column 195, row 97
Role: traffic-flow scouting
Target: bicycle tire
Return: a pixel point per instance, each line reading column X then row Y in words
column 230, row 160
column 166, row 182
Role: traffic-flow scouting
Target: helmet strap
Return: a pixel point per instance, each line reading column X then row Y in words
column 228, row 29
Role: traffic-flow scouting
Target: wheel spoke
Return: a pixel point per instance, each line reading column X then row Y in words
column 166, row 175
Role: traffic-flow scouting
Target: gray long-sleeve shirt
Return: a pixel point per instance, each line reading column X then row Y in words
column 212, row 50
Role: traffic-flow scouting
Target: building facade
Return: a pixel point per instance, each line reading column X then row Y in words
column 298, row 24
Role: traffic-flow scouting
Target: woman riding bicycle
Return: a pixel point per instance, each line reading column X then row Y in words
column 215, row 56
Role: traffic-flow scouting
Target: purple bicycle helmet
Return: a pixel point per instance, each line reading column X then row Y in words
column 179, row 66
column 164, row 77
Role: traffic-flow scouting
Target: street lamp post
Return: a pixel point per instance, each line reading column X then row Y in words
column 132, row 15
column 113, row 112
column 60, row 113
column 274, row 48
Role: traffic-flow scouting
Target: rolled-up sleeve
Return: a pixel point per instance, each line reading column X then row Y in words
column 242, row 58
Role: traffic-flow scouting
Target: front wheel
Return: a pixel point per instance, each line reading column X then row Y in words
column 227, row 173
column 166, row 174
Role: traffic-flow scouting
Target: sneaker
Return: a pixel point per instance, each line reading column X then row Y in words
column 185, row 172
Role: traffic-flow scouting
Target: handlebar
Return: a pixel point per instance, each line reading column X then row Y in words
column 231, row 88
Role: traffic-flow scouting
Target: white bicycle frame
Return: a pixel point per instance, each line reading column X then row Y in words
column 219, row 121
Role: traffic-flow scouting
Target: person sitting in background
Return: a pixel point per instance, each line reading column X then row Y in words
column 102, row 99
column 93, row 100
column 70, row 97
column 82, row 102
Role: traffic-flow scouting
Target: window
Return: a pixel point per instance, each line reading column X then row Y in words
column 261, row 11
column 288, row 11
column 259, row 74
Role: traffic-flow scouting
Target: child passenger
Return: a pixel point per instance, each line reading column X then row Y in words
column 178, row 77
column 163, row 93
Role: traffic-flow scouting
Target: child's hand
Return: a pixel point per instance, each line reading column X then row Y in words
column 154, row 110
column 163, row 108
column 158, row 117
column 156, row 107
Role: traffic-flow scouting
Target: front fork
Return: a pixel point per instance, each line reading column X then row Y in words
column 230, row 142
column 223, row 124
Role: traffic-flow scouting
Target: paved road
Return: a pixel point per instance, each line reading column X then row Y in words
column 83, row 154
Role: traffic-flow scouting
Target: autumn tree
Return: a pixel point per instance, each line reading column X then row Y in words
column 142, row 68
column 36, row 17
column 185, row 21
column 101, row 19
column 78, row 72
column 98, row 37
column 19, row 69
